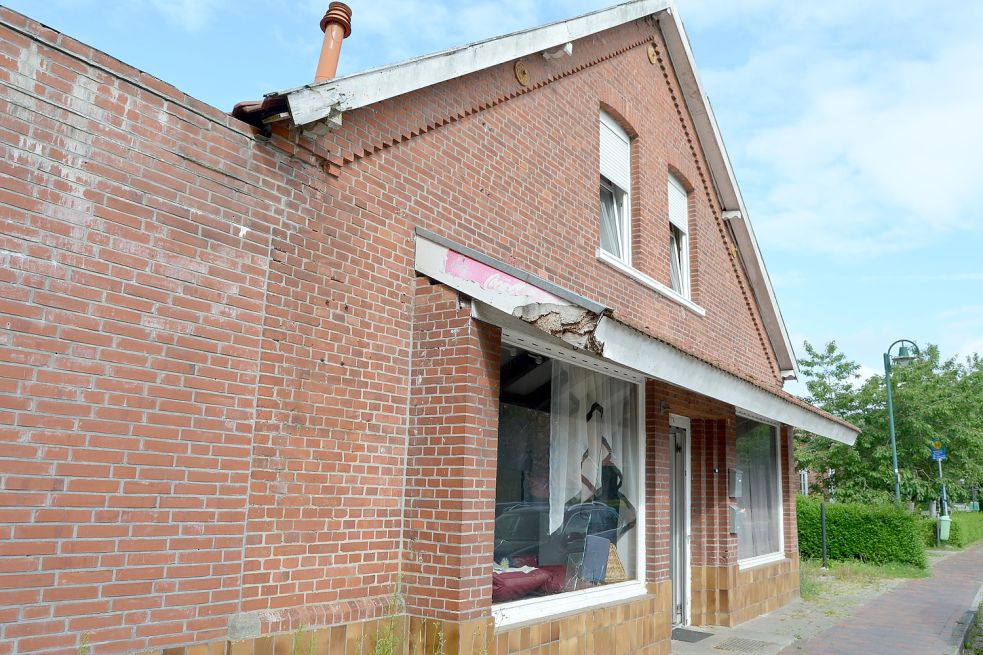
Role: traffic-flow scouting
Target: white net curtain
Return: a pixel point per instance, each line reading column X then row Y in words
column 594, row 446
column 760, row 508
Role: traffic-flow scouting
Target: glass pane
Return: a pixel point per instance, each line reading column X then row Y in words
column 611, row 227
column 567, row 486
column 676, row 260
column 759, row 503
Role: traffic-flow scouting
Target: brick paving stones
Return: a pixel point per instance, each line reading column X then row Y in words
column 918, row 617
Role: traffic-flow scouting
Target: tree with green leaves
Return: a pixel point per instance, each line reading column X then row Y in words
column 933, row 399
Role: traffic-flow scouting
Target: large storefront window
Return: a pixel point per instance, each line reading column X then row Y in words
column 568, row 478
column 760, row 504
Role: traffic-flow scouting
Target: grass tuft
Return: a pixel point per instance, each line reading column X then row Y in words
column 814, row 581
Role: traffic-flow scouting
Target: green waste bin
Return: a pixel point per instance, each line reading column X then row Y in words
column 945, row 522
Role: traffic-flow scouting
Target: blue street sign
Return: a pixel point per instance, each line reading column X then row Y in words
column 938, row 454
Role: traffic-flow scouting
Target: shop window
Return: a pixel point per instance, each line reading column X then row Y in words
column 568, row 478
column 759, row 534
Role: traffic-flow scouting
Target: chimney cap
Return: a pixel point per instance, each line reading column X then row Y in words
column 338, row 12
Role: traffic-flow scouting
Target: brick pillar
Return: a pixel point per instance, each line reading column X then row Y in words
column 452, row 455
column 790, row 487
column 658, row 485
column 711, row 528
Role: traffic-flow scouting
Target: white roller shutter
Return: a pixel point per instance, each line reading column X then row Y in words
column 678, row 205
column 615, row 153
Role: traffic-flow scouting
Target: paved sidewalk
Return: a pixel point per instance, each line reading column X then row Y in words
column 918, row 617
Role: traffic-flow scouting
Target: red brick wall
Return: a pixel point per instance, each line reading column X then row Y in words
column 790, row 488
column 468, row 159
column 130, row 339
column 658, row 483
column 205, row 340
column 203, row 368
column 451, row 466
column 712, row 543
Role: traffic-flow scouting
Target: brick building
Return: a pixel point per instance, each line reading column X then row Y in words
column 478, row 348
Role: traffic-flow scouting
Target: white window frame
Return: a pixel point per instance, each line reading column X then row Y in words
column 804, row 482
column 650, row 282
column 534, row 609
column 618, row 180
column 778, row 555
column 681, row 224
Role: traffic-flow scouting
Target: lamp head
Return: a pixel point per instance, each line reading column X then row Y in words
column 904, row 356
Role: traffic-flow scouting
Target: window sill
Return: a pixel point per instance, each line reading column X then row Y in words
column 761, row 560
column 649, row 282
column 535, row 609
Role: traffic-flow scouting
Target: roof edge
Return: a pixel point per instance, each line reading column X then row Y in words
column 313, row 102
column 728, row 191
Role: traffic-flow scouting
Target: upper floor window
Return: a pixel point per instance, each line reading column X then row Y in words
column 679, row 273
column 615, row 189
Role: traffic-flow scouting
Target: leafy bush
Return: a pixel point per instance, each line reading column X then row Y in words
column 966, row 529
column 870, row 533
column 970, row 527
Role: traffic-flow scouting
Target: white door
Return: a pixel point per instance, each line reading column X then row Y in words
column 679, row 519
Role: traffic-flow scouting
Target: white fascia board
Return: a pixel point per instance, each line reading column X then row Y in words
column 712, row 144
column 628, row 347
column 314, row 102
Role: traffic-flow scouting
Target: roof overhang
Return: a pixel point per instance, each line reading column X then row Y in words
column 320, row 105
column 314, row 102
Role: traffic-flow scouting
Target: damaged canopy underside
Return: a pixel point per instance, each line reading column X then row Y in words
column 574, row 325
column 523, row 303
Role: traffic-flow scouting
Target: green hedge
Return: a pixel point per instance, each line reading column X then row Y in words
column 966, row 529
column 870, row 533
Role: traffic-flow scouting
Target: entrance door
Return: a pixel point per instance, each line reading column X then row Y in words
column 679, row 520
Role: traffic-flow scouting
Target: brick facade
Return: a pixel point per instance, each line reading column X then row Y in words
column 229, row 408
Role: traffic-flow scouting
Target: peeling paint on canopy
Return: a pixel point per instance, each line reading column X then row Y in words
column 478, row 280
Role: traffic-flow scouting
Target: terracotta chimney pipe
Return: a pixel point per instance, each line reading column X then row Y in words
column 336, row 25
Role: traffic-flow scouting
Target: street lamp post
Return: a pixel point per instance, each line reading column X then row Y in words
column 904, row 357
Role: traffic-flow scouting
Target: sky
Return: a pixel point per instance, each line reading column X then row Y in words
column 854, row 128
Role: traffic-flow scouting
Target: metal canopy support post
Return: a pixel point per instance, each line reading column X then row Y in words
column 822, row 523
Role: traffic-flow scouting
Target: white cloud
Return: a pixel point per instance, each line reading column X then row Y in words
column 865, row 373
column 190, row 15
column 855, row 145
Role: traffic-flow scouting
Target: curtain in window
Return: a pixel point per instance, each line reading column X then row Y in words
column 759, row 504
column 593, row 444
column 611, row 231
column 675, row 265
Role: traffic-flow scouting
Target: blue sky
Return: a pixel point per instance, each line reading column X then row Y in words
column 854, row 127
